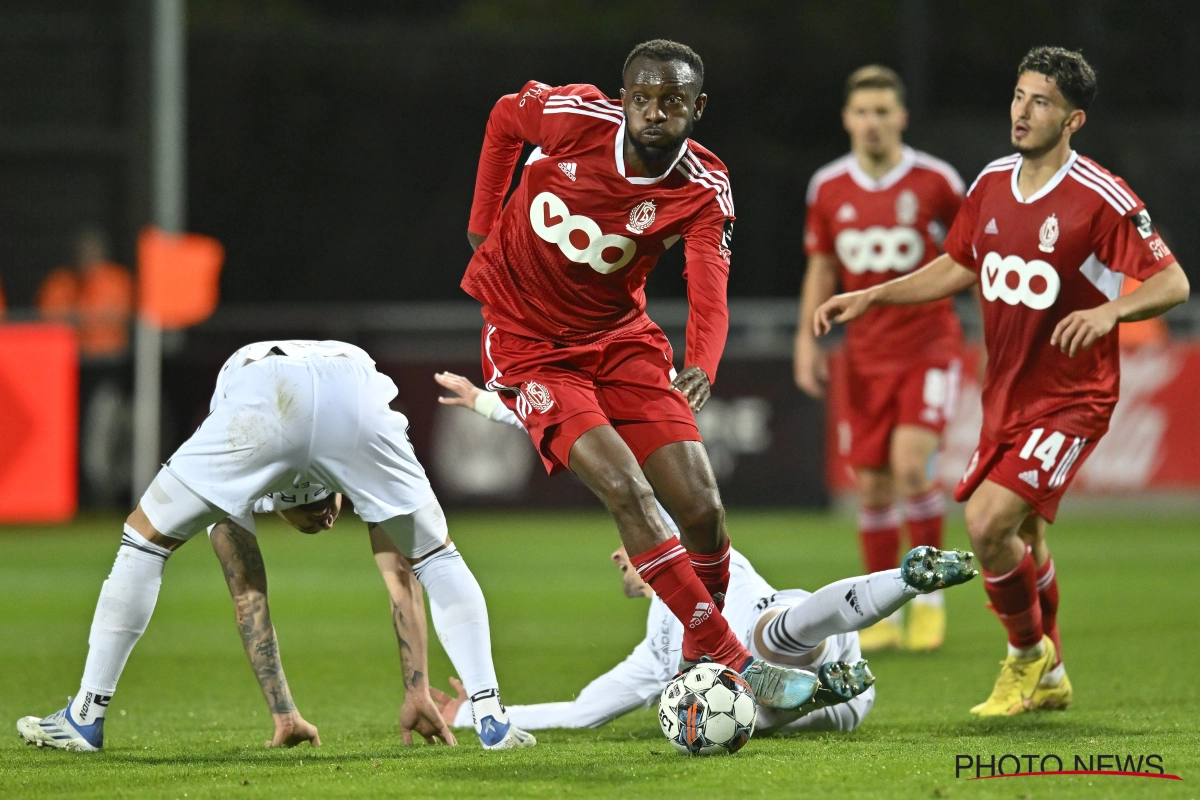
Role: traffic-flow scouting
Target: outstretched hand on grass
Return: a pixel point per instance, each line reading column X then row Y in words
column 446, row 704
column 420, row 713
column 292, row 729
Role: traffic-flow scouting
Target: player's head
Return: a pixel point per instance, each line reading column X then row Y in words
column 1055, row 87
column 874, row 114
column 313, row 517
column 662, row 96
column 631, row 581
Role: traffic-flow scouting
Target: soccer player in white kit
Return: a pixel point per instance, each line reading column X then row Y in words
column 293, row 426
column 794, row 628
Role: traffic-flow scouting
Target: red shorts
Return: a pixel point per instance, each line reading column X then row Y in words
column 562, row 391
column 924, row 394
column 1039, row 466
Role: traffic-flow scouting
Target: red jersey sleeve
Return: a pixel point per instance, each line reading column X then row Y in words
column 817, row 240
column 1129, row 244
column 958, row 243
column 515, row 120
column 706, row 251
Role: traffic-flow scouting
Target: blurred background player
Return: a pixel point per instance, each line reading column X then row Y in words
column 95, row 295
column 291, row 417
column 1049, row 235
column 561, row 270
column 878, row 212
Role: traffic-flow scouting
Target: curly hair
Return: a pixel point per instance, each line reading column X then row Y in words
column 667, row 50
column 1069, row 70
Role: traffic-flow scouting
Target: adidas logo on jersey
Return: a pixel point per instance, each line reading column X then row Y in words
column 1030, row 477
column 991, row 226
column 568, row 168
column 846, row 213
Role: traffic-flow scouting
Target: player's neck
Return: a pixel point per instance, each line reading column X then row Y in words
column 641, row 162
column 876, row 166
column 1038, row 168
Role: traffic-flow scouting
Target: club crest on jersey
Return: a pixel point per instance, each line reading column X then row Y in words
column 907, row 207
column 846, row 213
column 641, row 217
column 568, row 168
column 538, row 396
column 1048, row 234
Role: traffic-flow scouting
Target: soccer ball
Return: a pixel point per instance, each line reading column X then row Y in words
column 707, row 710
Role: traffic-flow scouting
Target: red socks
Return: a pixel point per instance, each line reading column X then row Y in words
column 713, row 572
column 1047, row 587
column 1014, row 597
column 879, row 535
column 667, row 569
column 925, row 514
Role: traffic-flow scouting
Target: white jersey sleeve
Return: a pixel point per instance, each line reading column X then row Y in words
column 488, row 404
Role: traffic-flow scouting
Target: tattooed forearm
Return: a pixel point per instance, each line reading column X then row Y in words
column 412, row 675
column 408, row 610
column 242, row 563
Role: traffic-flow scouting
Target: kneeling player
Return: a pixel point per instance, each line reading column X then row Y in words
column 291, row 417
column 816, row 631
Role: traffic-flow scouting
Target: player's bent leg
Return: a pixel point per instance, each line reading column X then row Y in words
column 879, row 538
column 460, row 618
column 1054, row 690
column 168, row 514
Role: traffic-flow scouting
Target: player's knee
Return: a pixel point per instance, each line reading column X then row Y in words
column 703, row 516
column 626, row 494
column 911, row 478
column 984, row 527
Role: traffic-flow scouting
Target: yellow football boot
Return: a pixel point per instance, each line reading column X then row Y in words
column 1054, row 698
column 883, row 635
column 926, row 628
column 1018, row 683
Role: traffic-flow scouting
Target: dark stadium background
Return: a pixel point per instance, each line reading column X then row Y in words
column 332, row 146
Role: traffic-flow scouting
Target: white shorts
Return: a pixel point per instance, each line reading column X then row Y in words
column 320, row 418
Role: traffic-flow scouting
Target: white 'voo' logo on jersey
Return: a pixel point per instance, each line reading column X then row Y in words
column 879, row 249
column 1015, row 280
column 578, row 237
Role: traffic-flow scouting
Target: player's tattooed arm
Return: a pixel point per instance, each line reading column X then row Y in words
column 245, row 574
column 419, row 712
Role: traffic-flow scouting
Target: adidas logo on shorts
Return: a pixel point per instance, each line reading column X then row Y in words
column 1030, row 477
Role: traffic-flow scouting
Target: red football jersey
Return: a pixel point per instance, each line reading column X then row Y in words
column 566, row 259
column 879, row 230
column 1064, row 249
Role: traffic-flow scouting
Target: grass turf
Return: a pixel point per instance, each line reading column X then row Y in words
column 188, row 720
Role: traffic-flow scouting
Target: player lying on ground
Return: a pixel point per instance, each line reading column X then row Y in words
column 1048, row 234
column 875, row 214
column 816, row 631
column 561, row 271
column 286, row 418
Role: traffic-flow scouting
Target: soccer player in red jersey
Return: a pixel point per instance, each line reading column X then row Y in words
column 879, row 212
column 561, row 269
column 1049, row 235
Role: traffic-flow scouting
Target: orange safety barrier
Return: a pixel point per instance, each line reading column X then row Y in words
column 39, row 422
column 178, row 277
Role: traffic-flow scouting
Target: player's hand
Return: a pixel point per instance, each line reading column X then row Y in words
column 419, row 713
column 1079, row 330
column 291, row 729
column 810, row 369
column 693, row 383
column 475, row 239
column 465, row 392
column 841, row 308
column 447, row 705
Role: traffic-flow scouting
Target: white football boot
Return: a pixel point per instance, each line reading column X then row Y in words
column 60, row 732
column 492, row 725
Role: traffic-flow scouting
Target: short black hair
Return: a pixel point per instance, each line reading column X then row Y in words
column 1069, row 70
column 875, row 76
column 667, row 50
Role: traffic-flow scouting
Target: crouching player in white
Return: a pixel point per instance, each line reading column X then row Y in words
column 287, row 417
column 815, row 631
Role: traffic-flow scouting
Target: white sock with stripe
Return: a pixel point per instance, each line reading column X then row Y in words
column 123, row 611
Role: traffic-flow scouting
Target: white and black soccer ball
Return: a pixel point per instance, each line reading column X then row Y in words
column 707, row 710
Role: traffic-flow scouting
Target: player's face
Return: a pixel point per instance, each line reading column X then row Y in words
column 661, row 106
column 875, row 121
column 1041, row 116
column 314, row 517
column 631, row 582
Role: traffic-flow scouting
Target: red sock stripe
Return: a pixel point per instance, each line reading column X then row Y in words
column 1014, row 597
column 878, row 519
column 931, row 505
column 652, row 562
column 710, row 559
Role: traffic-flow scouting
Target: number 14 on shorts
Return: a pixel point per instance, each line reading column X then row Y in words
column 1049, row 451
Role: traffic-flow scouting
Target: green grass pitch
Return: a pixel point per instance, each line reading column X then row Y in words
column 188, row 720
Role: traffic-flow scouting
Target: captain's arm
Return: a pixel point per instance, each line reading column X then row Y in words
column 514, row 122
column 1158, row 294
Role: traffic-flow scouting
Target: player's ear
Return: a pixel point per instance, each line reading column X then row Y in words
column 1074, row 121
column 701, row 102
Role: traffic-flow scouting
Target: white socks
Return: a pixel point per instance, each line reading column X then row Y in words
column 461, row 621
column 847, row 605
column 122, row 613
